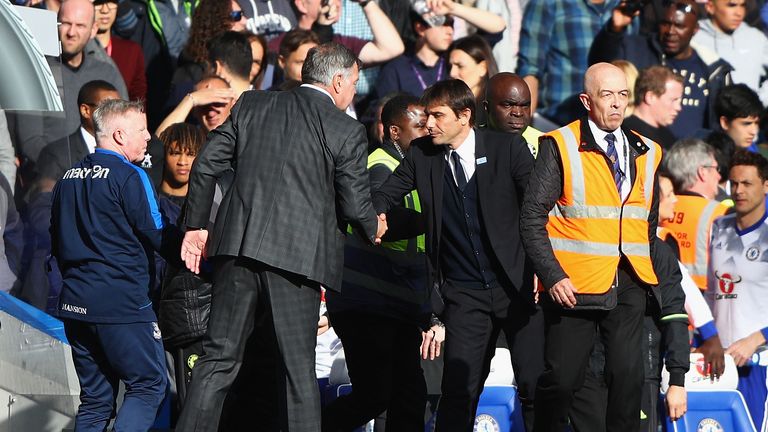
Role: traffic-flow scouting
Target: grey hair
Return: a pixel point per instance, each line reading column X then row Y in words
column 110, row 109
column 325, row 61
column 683, row 160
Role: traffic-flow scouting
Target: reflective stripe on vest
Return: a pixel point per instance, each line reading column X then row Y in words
column 590, row 227
column 411, row 201
column 691, row 225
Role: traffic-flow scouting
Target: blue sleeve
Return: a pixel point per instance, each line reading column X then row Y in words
column 764, row 331
column 708, row 330
column 141, row 207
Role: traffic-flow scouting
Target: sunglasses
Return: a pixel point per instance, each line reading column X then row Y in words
column 236, row 15
column 679, row 6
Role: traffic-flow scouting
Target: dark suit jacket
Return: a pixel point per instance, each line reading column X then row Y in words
column 300, row 177
column 59, row 156
column 501, row 182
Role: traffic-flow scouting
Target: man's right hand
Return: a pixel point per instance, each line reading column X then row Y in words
column 714, row 356
column 382, row 228
column 563, row 293
column 193, row 249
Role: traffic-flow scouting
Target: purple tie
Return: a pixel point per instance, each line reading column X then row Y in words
column 618, row 174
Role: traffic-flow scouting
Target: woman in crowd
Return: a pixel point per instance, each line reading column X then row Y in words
column 471, row 61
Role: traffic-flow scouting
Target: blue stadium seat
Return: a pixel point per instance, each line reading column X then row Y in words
column 499, row 410
column 713, row 411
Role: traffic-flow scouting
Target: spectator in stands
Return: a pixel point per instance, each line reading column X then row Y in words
column 508, row 107
column 630, row 71
column 60, row 155
column 704, row 72
column 738, row 43
column 471, row 61
column 385, row 45
column 658, row 96
column 211, row 20
column 692, row 167
column 268, row 18
column 424, row 65
column 553, row 53
column 230, row 57
column 738, row 279
column 725, row 147
column 126, row 54
column 259, row 57
column 293, row 50
column 209, row 105
column 739, row 110
column 161, row 28
column 79, row 66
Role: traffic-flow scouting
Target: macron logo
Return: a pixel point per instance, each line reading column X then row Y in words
column 74, row 309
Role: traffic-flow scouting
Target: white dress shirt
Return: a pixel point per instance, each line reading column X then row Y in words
column 90, row 140
column 466, row 152
column 622, row 147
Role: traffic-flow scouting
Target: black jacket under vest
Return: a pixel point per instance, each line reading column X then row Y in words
column 503, row 165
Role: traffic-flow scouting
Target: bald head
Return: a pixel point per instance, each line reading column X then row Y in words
column 605, row 96
column 77, row 27
column 508, row 103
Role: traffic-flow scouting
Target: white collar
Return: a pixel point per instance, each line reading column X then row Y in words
column 321, row 90
column 90, row 140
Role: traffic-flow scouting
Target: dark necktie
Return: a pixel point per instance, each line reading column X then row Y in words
column 461, row 179
column 614, row 157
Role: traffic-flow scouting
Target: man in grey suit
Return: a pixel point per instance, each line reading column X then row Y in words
column 300, row 177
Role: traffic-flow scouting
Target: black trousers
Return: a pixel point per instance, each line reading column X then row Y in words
column 384, row 366
column 280, row 309
column 473, row 319
column 570, row 336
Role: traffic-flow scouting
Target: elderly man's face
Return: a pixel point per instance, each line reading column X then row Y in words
column 607, row 98
column 134, row 126
column 76, row 26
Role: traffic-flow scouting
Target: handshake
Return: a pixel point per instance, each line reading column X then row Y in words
column 382, row 229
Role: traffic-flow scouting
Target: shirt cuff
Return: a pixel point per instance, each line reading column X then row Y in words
column 764, row 331
column 677, row 379
column 708, row 330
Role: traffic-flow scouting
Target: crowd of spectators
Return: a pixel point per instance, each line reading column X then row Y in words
column 698, row 72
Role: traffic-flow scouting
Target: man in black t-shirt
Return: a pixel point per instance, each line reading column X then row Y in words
column 658, row 101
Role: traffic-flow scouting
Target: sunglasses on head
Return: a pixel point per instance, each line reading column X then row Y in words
column 685, row 8
column 236, row 15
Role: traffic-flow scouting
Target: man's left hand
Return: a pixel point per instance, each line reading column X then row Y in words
column 742, row 349
column 431, row 342
column 677, row 402
column 193, row 249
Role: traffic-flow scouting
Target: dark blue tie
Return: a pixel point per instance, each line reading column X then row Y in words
column 618, row 174
column 461, row 179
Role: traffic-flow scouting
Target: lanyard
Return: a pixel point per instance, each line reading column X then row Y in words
column 421, row 79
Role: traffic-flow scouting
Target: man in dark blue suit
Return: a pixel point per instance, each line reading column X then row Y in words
column 471, row 184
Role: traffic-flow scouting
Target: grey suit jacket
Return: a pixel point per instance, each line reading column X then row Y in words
column 300, row 177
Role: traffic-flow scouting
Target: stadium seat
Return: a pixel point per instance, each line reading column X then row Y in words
column 713, row 411
column 499, row 410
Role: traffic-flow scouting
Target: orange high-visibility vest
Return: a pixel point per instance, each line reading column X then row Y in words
column 691, row 225
column 589, row 227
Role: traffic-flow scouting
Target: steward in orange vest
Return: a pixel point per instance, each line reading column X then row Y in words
column 691, row 224
column 590, row 227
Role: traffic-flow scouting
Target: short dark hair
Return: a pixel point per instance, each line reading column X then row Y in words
column 748, row 158
column 395, row 110
column 738, row 101
column 724, row 149
column 232, row 49
column 88, row 91
column 453, row 93
column 184, row 136
column 296, row 38
column 654, row 79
